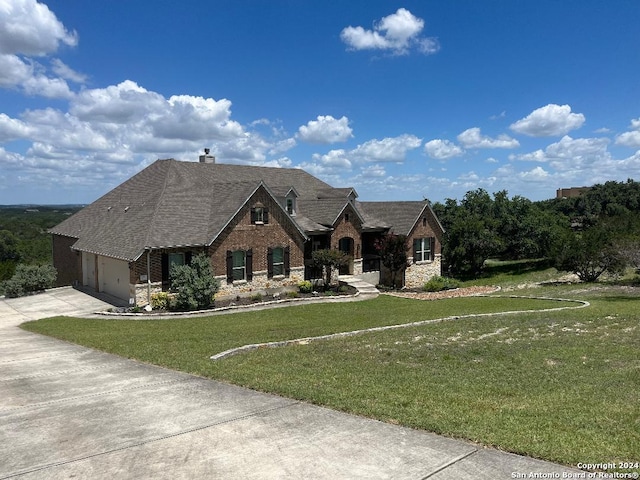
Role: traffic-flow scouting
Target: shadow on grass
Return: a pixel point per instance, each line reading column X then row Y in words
column 493, row 268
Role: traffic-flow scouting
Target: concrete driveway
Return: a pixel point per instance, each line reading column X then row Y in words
column 71, row 412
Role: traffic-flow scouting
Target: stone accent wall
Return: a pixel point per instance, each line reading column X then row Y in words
column 260, row 284
column 140, row 291
column 418, row 273
column 67, row 262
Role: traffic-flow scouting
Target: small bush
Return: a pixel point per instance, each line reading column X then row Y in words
column 256, row 297
column 438, row 283
column 160, row 301
column 194, row 284
column 30, row 278
column 305, row 286
column 293, row 294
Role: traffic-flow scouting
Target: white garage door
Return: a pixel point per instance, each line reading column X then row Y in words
column 114, row 277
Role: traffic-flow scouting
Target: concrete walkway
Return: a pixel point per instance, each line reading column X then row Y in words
column 69, row 411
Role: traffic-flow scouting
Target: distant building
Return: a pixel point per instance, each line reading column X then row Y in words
column 571, row 192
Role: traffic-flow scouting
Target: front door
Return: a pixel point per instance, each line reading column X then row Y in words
column 345, row 245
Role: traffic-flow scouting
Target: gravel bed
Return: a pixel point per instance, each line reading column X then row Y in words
column 458, row 292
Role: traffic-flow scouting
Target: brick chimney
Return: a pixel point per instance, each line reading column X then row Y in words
column 206, row 158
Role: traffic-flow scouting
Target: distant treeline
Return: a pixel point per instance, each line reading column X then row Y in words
column 23, row 234
column 481, row 226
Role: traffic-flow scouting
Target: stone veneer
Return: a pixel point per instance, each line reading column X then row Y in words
column 417, row 274
column 260, row 283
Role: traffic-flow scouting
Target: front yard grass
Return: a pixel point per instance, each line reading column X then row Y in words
column 563, row 386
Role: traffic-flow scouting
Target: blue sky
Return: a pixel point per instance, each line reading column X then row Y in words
column 401, row 100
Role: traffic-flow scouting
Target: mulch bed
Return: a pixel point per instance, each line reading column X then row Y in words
column 457, row 292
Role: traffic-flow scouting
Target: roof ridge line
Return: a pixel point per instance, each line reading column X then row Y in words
column 158, row 203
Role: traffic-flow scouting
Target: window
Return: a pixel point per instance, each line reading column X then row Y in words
column 239, row 265
column 259, row 215
column 423, row 249
column 290, row 206
column 176, row 259
column 278, row 261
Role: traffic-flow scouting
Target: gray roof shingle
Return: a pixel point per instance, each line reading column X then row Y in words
column 172, row 203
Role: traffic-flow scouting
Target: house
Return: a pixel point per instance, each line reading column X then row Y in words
column 258, row 225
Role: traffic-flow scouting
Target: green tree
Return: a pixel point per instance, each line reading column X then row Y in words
column 328, row 260
column 194, row 284
column 8, row 247
column 590, row 253
column 393, row 254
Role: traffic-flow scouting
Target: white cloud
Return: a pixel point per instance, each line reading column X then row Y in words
column 325, row 130
column 397, row 33
column 47, row 87
column 28, row 27
column 549, row 121
column 631, row 138
column 472, row 138
column 537, row 174
column 572, row 154
column 13, row 71
column 123, row 103
column 390, row 149
column 64, row 71
column 374, row 171
column 334, row 160
column 12, row 129
column 442, row 149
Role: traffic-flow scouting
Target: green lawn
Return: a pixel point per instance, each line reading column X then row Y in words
column 563, row 386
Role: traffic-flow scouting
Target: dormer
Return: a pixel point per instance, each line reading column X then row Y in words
column 288, row 198
column 290, row 202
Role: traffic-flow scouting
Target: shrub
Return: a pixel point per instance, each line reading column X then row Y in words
column 160, row 301
column 30, row 278
column 193, row 284
column 438, row 283
column 256, row 297
column 305, row 286
column 293, row 294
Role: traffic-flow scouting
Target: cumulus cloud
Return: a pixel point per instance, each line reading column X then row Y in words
column 549, row 121
column 571, row 154
column 442, row 149
column 631, row 138
column 472, row 138
column 397, row 33
column 30, row 28
column 390, row 149
column 326, row 129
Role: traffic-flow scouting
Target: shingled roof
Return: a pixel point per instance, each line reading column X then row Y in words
column 399, row 217
column 185, row 204
column 180, row 204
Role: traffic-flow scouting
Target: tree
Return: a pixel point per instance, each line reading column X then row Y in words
column 328, row 260
column 8, row 247
column 194, row 284
column 589, row 253
column 393, row 254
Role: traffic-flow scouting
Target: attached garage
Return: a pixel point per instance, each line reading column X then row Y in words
column 106, row 274
column 114, row 277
